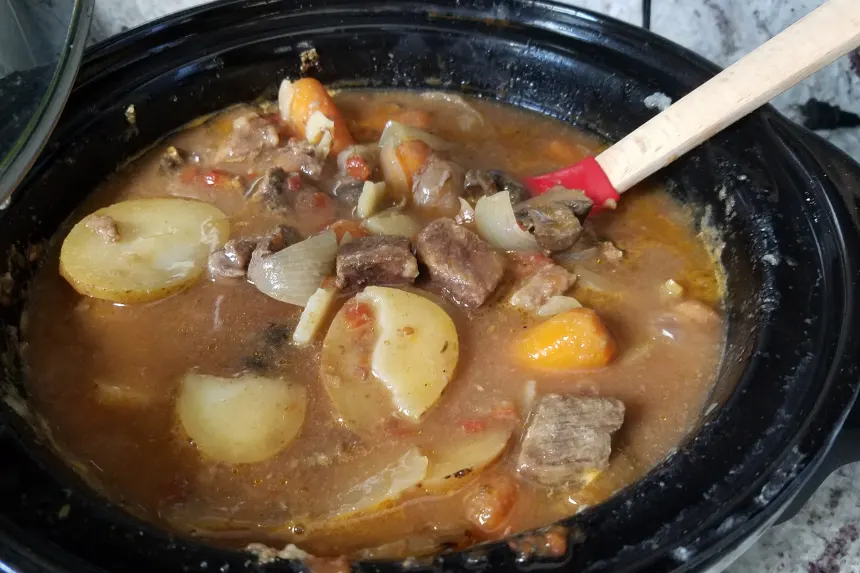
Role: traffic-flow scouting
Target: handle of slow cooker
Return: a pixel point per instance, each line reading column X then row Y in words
column 844, row 174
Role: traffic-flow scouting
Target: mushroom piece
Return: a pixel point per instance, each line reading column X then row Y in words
column 479, row 183
column 555, row 218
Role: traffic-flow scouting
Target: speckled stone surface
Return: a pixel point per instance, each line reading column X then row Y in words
column 824, row 537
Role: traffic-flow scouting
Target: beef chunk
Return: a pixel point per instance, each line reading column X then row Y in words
column 172, row 159
column 104, row 227
column 298, row 156
column 569, row 438
column 251, row 135
column 378, row 260
column 464, row 265
column 233, row 259
column 272, row 187
column 550, row 280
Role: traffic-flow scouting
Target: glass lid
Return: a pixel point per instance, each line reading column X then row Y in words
column 41, row 44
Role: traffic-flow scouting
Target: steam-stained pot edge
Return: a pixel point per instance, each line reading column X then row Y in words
column 721, row 485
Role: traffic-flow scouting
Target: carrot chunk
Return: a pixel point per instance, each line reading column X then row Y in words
column 412, row 155
column 570, row 340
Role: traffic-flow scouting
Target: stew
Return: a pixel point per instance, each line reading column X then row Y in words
column 341, row 322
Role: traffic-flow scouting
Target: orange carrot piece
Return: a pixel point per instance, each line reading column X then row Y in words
column 568, row 341
column 412, row 156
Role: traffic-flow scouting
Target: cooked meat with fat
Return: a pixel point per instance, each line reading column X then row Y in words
column 172, row 159
column 376, row 260
column 232, row 261
column 251, row 135
column 568, row 438
column 438, row 186
column 555, row 218
column 271, row 187
column 297, row 156
column 532, row 292
column 480, row 183
column 104, row 227
column 460, row 262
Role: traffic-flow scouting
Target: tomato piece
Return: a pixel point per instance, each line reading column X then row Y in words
column 357, row 168
column 474, row 426
column 358, row 314
column 194, row 175
column 343, row 226
column 294, row 182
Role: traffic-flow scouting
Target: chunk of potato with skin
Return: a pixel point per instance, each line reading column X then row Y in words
column 240, row 420
column 453, row 465
column 161, row 248
column 388, row 352
column 406, row 473
column 571, row 340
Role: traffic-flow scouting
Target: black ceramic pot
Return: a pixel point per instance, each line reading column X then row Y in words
column 785, row 202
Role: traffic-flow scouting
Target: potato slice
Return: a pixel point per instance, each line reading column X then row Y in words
column 240, row 420
column 160, row 247
column 386, row 486
column 388, row 351
column 454, row 465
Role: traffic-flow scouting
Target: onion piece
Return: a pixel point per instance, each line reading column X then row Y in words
column 392, row 223
column 295, row 273
column 314, row 315
column 591, row 280
column 372, row 195
column 394, row 134
column 240, row 420
column 558, row 304
column 469, row 118
column 494, row 217
column 466, row 214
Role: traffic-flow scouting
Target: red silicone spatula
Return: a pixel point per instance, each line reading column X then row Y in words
column 807, row 46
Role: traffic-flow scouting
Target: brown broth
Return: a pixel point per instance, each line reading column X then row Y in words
column 104, row 376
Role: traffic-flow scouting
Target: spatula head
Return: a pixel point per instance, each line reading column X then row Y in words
column 587, row 175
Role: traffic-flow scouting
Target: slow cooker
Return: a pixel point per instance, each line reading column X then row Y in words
column 786, row 204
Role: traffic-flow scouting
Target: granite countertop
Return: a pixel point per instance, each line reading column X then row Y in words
column 824, row 537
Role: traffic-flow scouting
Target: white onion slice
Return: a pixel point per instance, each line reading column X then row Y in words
column 494, row 217
column 394, row 134
column 466, row 214
column 557, row 305
column 240, row 420
column 295, row 273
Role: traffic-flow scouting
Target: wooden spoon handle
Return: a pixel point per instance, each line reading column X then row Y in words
column 830, row 31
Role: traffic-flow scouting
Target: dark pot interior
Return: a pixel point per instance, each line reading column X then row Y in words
column 790, row 367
